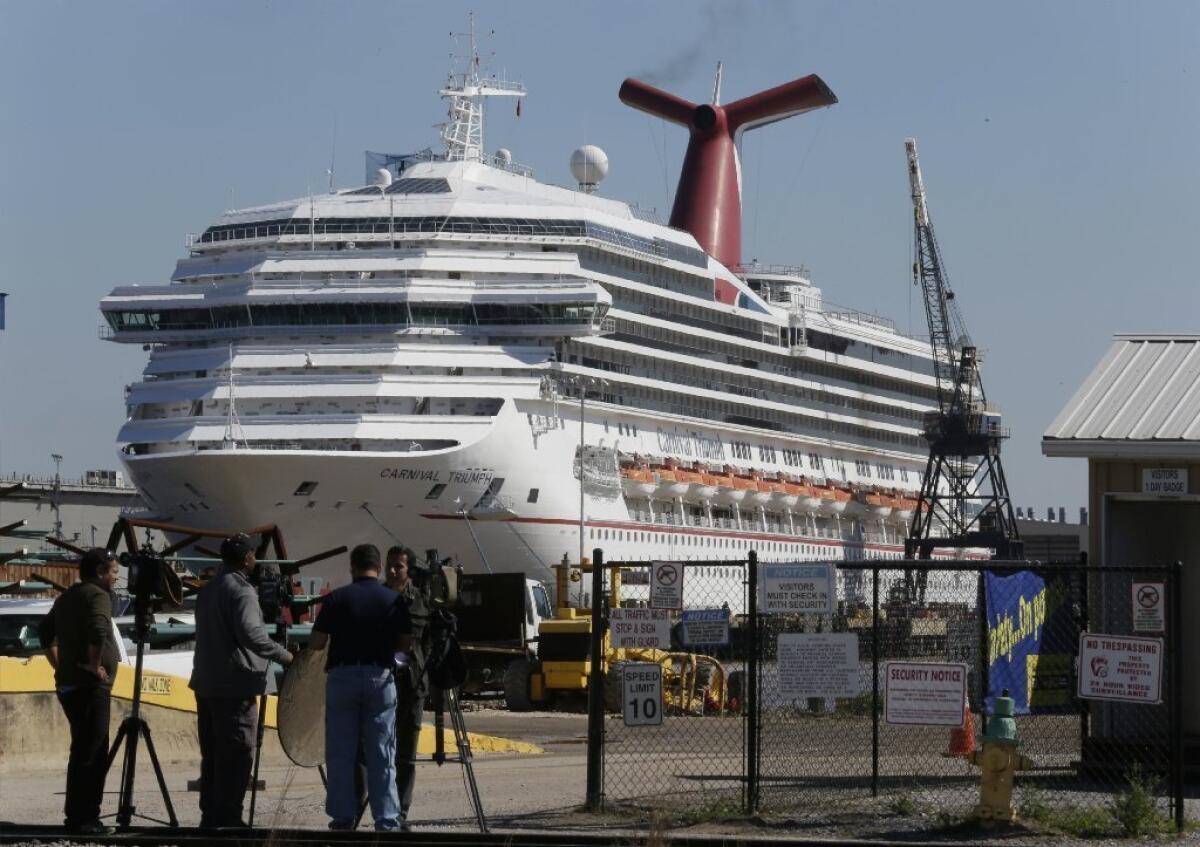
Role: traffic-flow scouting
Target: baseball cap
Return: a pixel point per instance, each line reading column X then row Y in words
column 234, row 549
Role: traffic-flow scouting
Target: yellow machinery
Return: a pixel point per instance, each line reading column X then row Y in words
column 563, row 661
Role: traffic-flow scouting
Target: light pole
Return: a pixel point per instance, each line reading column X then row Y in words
column 57, row 491
column 583, row 382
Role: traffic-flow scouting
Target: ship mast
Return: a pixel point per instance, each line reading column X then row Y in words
column 466, row 90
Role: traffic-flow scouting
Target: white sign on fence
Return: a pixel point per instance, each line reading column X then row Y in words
column 642, row 682
column 821, row 664
column 706, row 627
column 797, row 589
column 1168, row 482
column 1120, row 667
column 924, row 693
column 640, row 628
column 1149, row 607
column 666, row 585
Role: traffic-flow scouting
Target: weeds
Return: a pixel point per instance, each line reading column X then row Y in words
column 1135, row 807
column 903, row 804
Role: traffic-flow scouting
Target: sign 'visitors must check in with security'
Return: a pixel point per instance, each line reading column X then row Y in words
column 797, row 589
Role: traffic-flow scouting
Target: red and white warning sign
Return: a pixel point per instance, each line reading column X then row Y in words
column 924, row 693
column 1120, row 667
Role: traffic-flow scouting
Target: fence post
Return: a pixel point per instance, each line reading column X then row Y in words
column 751, row 692
column 1085, row 711
column 984, row 653
column 1176, row 585
column 875, row 681
column 595, row 731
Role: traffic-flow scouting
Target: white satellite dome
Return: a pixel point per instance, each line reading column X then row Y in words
column 589, row 166
column 503, row 157
column 383, row 177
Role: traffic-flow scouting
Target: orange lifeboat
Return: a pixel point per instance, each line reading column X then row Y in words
column 638, row 482
column 877, row 504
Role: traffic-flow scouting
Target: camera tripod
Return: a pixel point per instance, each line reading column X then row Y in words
column 135, row 727
column 441, row 699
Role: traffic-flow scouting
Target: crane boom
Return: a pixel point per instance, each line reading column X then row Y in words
column 964, row 499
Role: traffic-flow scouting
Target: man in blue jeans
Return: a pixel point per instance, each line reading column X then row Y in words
column 364, row 624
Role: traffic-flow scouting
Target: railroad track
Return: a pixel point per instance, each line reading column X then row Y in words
column 191, row 837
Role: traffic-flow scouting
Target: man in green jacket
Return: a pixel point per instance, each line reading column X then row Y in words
column 77, row 636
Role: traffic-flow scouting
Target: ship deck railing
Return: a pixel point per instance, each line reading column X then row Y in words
column 801, row 529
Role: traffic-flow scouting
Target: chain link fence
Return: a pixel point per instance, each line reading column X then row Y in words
column 839, row 709
column 694, row 753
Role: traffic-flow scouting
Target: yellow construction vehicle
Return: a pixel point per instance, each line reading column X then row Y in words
column 693, row 683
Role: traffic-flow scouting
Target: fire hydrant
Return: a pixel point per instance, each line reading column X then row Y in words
column 998, row 760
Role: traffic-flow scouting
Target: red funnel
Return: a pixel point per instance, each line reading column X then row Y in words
column 708, row 201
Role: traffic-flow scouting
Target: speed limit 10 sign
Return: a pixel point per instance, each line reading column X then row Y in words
column 643, row 694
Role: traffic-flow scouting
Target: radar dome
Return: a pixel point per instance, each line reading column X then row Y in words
column 503, row 157
column 589, row 165
column 383, row 177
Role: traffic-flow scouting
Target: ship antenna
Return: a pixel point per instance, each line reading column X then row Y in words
column 233, row 425
column 716, row 101
column 466, row 91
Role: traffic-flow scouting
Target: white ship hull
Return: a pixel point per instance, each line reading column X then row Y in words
column 384, row 499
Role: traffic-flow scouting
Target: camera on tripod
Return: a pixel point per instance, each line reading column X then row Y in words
column 438, row 580
column 146, row 579
column 274, row 592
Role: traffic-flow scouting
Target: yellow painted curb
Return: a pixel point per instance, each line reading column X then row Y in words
column 34, row 675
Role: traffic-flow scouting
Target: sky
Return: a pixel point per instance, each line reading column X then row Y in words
column 1060, row 145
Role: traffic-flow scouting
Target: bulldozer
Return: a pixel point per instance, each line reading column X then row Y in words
column 693, row 683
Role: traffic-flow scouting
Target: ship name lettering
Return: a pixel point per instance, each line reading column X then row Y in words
column 410, row 474
column 691, row 444
column 470, row 477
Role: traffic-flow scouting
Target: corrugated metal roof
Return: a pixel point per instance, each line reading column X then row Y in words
column 1145, row 389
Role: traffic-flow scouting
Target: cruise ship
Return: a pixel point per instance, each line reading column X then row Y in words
column 458, row 356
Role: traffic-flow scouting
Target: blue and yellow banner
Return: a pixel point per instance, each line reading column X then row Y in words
column 1031, row 641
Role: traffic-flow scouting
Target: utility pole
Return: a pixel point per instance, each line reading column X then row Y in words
column 56, row 500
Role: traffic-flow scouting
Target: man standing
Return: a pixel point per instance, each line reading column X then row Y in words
column 77, row 636
column 229, row 672
column 364, row 624
column 411, row 680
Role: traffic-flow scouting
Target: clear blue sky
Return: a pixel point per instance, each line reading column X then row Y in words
column 1060, row 144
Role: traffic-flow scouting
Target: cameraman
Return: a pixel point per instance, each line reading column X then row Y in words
column 412, row 682
column 229, row 673
column 77, row 636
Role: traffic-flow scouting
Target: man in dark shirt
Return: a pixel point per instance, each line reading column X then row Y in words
column 77, row 636
column 364, row 624
column 229, row 672
column 412, row 683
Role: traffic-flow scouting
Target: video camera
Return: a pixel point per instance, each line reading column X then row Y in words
column 150, row 577
column 438, row 580
column 274, row 592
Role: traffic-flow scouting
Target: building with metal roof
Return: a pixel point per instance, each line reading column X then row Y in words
column 1142, row 399
column 1136, row 419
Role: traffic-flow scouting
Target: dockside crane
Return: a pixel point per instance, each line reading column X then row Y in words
column 964, row 500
